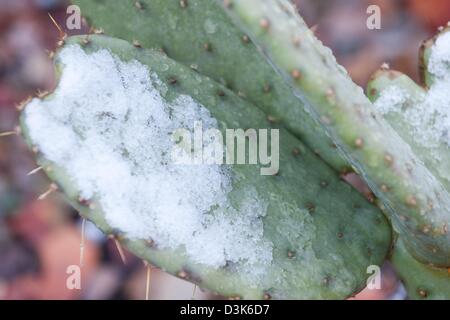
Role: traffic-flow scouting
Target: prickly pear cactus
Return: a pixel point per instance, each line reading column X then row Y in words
column 104, row 135
column 199, row 34
column 408, row 189
column 106, row 139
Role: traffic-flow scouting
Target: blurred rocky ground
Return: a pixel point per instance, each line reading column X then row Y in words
column 39, row 239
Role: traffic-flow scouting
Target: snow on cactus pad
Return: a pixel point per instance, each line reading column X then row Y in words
column 430, row 114
column 104, row 137
column 421, row 115
column 107, row 145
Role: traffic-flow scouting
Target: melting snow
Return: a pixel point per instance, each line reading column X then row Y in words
column 109, row 126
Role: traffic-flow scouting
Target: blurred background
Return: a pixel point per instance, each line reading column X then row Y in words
column 39, row 239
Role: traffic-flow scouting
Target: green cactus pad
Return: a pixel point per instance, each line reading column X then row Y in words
column 199, row 34
column 418, row 204
column 314, row 238
column 421, row 281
